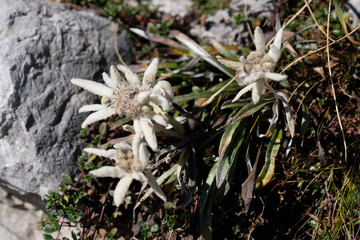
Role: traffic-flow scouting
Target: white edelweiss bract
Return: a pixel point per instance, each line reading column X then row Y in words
column 128, row 168
column 130, row 97
column 258, row 65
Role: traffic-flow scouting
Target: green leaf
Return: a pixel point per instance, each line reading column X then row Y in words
column 227, row 137
column 50, row 229
column 206, row 201
column 304, row 119
column 233, row 105
column 47, row 237
column 221, row 192
column 120, row 122
column 154, row 228
column 112, row 233
column 66, row 179
column 160, row 180
column 207, row 187
column 268, row 169
column 191, row 96
column 222, row 50
column 102, row 129
column 251, row 108
column 339, row 12
column 73, row 235
column 230, row 145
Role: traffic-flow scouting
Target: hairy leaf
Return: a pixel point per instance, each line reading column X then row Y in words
column 289, row 116
column 206, row 201
column 268, row 170
column 230, row 145
column 251, row 108
column 184, row 39
column 273, row 122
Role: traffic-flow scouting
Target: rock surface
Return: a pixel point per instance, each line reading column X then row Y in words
column 18, row 220
column 174, row 8
column 42, row 46
column 220, row 26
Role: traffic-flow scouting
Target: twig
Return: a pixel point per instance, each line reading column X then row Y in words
column 116, row 47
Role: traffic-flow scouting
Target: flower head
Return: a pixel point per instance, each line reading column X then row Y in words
column 128, row 167
column 131, row 98
column 258, row 65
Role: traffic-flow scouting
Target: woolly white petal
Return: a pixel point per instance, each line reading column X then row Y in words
column 101, row 152
column 150, row 72
column 246, row 80
column 278, row 39
column 259, row 39
column 143, row 97
column 92, row 108
column 109, row 81
column 257, row 90
column 136, row 144
column 130, row 76
column 108, row 171
column 165, row 86
column 139, row 176
column 275, row 76
column 137, row 127
column 137, row 138
column 159, row 119
column 160, row 101
column 122, row 146
column 274, row 52
column 148, row 130
column 154, row 185
column 243, row 91
column 99, row 115
column 94, row 87
column 115, row 75
column 230, row 64
column 121, row 189
column 143, row 155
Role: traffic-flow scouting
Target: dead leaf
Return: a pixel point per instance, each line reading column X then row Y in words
column 247, row 187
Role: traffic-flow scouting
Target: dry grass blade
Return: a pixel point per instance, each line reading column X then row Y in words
column 159, row 39
column 332, row 83
column 218, row 92
column 316, row 22
column 318, row 50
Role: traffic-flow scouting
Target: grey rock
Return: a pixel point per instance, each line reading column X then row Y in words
column 174, row 8
column 221, row 27
column 353, row 8
column 42, row 46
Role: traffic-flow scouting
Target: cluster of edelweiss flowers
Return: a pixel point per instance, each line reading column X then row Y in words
column 133, row 98
column 258, row 65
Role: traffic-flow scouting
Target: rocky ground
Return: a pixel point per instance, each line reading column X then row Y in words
column 54, row 44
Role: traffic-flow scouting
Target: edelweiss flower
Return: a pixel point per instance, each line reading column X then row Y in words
column 257, row 66
column 131, row 98
column 128, row 167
